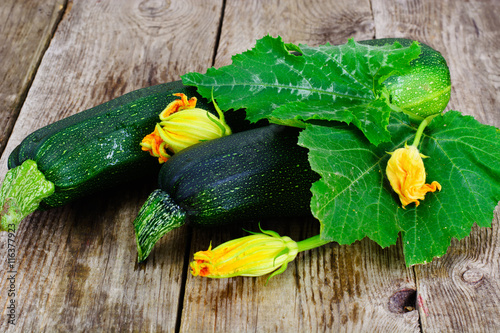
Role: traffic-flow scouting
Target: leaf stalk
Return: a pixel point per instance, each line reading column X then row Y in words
column 311, row 243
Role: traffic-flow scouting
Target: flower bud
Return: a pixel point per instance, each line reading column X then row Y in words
column 183, row 125
column 406, row 173
column 254, row 255
column 191, row 126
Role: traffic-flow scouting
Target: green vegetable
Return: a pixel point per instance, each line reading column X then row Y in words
column 258, row 173
column 89, row 151
column 423, row 90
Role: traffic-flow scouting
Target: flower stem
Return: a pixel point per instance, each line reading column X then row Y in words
column 226, row 130
column 311, row 243
column 421, row 128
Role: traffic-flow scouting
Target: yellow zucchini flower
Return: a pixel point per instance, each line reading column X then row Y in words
column 406, row 174
column 254, row 255
column 182, row 125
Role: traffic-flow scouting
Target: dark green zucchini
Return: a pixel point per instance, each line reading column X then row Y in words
column 87, row 152
column 259, row 173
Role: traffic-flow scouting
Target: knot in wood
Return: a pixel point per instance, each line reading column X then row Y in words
column 472, row 276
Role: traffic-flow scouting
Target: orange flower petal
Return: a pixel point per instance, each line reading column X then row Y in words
column 154, row 144
column 178, row 104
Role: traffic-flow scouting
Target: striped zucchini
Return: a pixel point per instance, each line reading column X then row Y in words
column 90, row 151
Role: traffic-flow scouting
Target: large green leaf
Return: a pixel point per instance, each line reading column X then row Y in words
column 328, row 82
column 332, row 91
column 354, row 200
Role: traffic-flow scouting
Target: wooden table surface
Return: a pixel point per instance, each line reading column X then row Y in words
column 76, row 265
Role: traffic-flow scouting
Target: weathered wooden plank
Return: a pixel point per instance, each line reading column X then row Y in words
column 335, row 288
column 352, row 288
column 311, row 22
column 76, row 265
column 26, row 29
column 460, row 291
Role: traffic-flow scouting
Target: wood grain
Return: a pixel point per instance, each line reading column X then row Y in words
column 460, row 291
column 26, row 29
column 354, row 288
column 128, row 46
column 310, row 22
column 76, row 265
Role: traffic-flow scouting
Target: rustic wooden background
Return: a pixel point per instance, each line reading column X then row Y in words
column 76, row 265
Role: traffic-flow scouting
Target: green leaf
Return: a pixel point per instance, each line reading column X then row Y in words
column 258, row 79
column 372, row 118
column 328, row 82
column 465, row 160
column 354, row 199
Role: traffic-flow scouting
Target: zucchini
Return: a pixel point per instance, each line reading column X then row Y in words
column 426, row 88
column 259, row 173
column 87, row 152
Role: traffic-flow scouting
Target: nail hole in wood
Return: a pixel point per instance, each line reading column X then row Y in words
column 403, row 301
